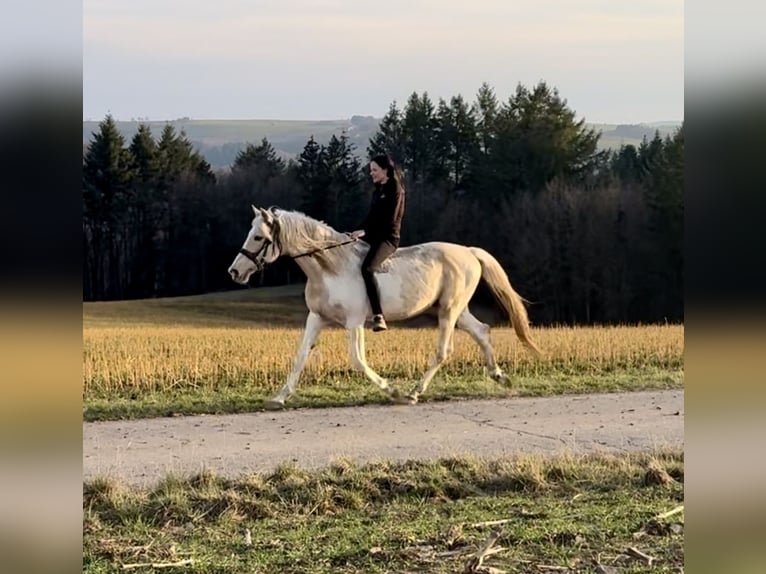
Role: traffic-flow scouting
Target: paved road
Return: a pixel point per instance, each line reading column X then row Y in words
column 141, row 451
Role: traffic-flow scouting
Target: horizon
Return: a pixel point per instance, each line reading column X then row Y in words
column 340, row 119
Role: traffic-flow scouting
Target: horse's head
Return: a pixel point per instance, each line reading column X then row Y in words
column 260, row 248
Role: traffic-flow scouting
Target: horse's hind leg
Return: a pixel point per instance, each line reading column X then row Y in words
column 447, row 318
column 479, row 332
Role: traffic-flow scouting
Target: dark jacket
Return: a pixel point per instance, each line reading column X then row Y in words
column 384, row 220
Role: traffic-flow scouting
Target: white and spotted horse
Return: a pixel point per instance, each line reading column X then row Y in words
column 412, row 281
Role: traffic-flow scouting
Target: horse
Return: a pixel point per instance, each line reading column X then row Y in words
column 415, row 279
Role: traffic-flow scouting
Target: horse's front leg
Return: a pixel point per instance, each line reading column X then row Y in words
column 314, row 324
column 359, row 361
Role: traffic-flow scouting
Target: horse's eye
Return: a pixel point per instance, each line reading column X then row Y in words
column 257, row 237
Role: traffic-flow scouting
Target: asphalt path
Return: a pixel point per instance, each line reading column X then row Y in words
column 140, row 452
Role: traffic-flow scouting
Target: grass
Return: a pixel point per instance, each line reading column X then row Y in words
column 221, row 353
column 567, row 512
column 321, row 392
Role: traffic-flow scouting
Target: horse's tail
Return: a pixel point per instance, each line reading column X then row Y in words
column 498, row 281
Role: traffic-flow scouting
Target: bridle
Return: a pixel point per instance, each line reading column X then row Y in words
column 253, row 255
column 275, row 232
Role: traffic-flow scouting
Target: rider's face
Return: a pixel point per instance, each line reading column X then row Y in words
column 377, row 173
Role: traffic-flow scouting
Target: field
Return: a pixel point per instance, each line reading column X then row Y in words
column 229, row 352
column 217, row 132
column 568, row 514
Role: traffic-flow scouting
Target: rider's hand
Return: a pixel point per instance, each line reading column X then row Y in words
column 357, row 234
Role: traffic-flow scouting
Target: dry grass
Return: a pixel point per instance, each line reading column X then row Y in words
column 139, row 359
column 222, row 353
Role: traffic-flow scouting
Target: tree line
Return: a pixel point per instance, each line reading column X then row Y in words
column 588, row 235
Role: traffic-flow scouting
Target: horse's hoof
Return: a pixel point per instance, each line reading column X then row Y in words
column 274, row 405
column 502, row 378
column 397, row 397
column 412, row 399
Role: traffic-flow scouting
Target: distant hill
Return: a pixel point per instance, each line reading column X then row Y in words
column 615, row 135
column 220, row 140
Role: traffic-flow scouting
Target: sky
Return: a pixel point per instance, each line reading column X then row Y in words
column 613, row 61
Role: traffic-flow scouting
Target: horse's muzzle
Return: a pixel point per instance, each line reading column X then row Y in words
column 238, row 277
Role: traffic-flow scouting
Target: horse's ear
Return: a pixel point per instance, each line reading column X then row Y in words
column 255, row 209
column 268, row 217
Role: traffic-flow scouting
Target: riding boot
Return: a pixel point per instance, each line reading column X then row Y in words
column 379, row 323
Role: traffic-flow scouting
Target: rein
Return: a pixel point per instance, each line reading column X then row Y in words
column 324, row 248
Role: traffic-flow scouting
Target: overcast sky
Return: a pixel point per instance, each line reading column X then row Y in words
column 614, row 61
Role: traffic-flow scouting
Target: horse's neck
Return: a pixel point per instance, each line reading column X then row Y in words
column 311, row 237
column 307, row 236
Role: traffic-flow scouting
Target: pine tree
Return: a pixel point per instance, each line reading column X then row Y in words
column 180, row 213
column 539, row 139
column 389, row 139
column 425, row 189
column 312, row 177
column 418, row 137
column 107, row 176
column 443, row 134
column 465, row 146
column 143, row 151
column 456, row 140
column 663, row 186
column 343, row 172
column 625, row 164
column 145, row 161
column 261, row 158
column 650, row 156
column 485, row 111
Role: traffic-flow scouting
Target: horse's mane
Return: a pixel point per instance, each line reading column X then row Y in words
column 304, row 233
